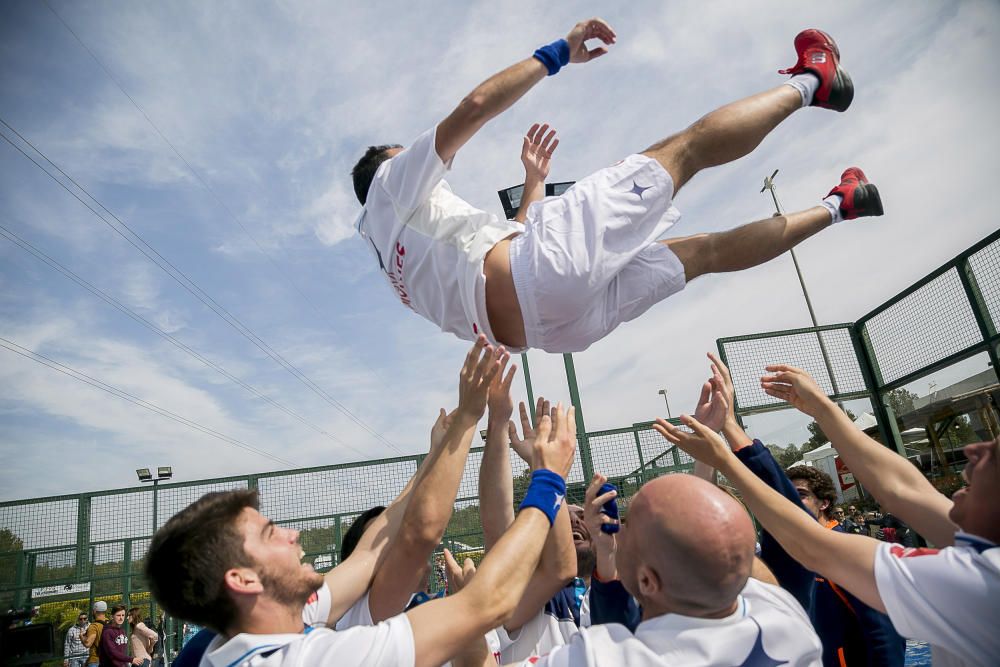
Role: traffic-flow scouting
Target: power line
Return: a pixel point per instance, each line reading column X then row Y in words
column 194, row 172
column 115, row 391
column 136, row 241
column 112, row 301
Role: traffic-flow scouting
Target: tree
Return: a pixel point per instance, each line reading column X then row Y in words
column 817, row 436
column 785, row 456
column 900, row 401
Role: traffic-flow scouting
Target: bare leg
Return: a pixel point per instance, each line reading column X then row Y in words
column 746, row 246
column 724, row 135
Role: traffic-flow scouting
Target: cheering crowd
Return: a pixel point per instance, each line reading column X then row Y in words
column 683, row 577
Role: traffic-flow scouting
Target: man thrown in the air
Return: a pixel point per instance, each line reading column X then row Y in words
column 588, row 260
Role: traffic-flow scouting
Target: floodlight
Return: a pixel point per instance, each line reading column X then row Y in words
column 144, row 474
column 556, row 189
column 164, row 472
column 510, row 199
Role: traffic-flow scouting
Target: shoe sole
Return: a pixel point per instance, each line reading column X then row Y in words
column 867, row 201
column 841, row 92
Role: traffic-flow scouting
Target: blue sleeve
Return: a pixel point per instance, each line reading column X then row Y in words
column 611, row 603
column 794, row 578
column 194, row 649
column 885, row 646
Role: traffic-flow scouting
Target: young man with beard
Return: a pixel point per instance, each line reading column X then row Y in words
column 222, row 564
column 947, row 596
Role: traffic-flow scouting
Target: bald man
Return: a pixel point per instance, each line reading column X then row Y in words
column 685, row 553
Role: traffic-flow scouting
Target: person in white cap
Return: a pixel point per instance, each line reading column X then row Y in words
column 92, row 638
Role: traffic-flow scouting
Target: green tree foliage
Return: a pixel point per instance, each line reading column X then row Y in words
column 817, row 437
column 786, row 456
column 900, row 401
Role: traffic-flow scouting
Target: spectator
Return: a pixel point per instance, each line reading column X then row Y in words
column 113, row 649
column 92, row 638
column 699, row 602
column 143, row 639
column 74, row 650
column 220, row 563
column 946, row 597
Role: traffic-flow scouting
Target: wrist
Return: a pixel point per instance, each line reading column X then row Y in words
column 736, row 436
column 545, row 493
column 554, row 56
column 466, row 417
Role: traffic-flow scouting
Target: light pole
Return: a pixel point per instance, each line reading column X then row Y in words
column 145, row 475
column 664, row 392
column 769, row 185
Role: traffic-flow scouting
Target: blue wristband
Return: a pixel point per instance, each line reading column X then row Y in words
column 546, row 493
column 554, row 56
column 610, row 508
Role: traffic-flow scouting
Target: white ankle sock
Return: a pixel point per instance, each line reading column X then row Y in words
column 807, row 84
column 832, row 204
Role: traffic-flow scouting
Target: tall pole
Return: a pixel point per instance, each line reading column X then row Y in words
column 581, row 429
column 527, row 384
column 769, row 185
column 664, row 392
column 155, row 482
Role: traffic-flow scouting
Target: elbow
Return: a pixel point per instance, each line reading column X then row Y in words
column 473, row 108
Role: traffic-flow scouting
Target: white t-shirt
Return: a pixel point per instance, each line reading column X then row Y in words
column 553, row 626
column 768, row 627
column 358, row 615
column 389, row 643
column 947, row 597
column 430, row 243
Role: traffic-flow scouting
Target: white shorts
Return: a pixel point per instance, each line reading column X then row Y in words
column 588, row 260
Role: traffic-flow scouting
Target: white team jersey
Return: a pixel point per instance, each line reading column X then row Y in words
column 430, row 243
column 768, row 628
column 358, row 615
column 553, row 626
column 947, row 597
column 385, row 644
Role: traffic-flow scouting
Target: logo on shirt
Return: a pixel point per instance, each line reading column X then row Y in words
column 396, row 275
column 639, row 189
column 758, row 656
column 911, row 552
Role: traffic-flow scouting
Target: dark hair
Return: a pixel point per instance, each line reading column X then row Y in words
column 357, row 529
column 189, row 556
column 364, row 170
column 818, row 481
column 135, row 615
column 117, row 608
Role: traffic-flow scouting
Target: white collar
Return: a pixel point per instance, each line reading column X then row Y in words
column 660, row 632
column 228, row 653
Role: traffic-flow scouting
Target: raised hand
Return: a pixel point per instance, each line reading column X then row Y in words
column 458, row 576
column 482, row 363
column 500, row 401
column 605, row 545
column 536, row 152
column 590, row 29
column 525, row 448
column 555, row 441
column 703, row 443
column 441, row 425
column 795, row 386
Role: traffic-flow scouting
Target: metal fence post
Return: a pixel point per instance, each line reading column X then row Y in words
column 581, row 429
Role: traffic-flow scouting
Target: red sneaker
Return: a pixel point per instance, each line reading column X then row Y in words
column 861, row 198
column 818, row 53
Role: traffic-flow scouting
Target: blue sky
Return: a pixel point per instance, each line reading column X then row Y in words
column 270, row 104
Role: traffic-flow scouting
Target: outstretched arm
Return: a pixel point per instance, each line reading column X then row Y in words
column 500, row 91
column 433, row 497
column 847, row 559
column 536, row 156
column 895, row 482
column 441, row 628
